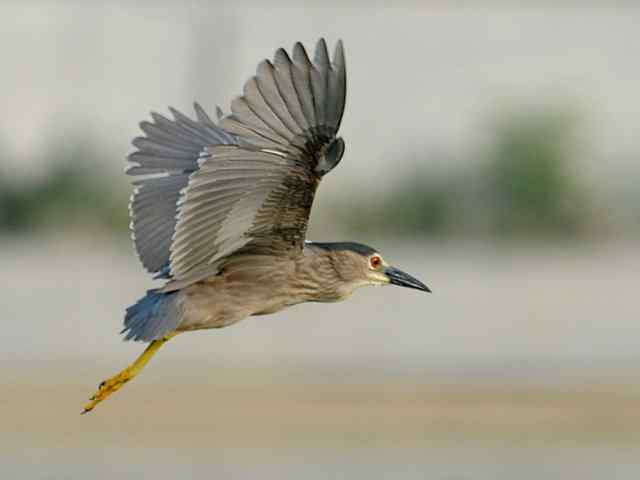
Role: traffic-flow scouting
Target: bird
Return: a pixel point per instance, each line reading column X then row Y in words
column 219, row 209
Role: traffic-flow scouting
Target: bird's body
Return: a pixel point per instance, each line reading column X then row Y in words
column 220, row 210
column 260, row 284
column 256, row 285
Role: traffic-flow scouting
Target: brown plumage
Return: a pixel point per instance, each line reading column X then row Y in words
column 220, row 210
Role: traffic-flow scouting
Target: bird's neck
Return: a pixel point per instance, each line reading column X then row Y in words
column 317, row 279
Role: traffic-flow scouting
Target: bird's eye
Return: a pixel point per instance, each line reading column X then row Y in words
column 375, row 261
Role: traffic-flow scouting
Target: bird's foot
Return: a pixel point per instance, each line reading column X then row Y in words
column 116, row 382
column 108, row 387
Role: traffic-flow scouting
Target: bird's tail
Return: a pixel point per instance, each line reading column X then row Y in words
column 152, row 317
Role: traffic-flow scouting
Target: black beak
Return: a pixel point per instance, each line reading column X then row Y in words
column 398, row 277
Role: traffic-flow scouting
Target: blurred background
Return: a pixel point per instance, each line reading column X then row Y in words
column 492, row 151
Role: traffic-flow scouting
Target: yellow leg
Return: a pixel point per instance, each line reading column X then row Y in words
column 116, row 382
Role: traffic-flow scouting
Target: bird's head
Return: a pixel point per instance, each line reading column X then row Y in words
column 359, row 265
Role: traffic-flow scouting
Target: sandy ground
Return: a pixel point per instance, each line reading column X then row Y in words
column 522, row 364
column 262, row 409
column 265, row 427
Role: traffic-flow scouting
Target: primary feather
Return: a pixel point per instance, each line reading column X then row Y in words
column 165, row 157
column 244, row 185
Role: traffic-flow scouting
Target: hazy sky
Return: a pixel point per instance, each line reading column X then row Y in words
column 422, row 78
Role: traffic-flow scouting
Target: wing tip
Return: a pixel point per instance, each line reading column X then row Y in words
column 338, row 54
column 300, row 55
column 202, row 116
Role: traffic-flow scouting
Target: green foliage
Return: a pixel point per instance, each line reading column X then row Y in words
column 420, row 208
column 420, row 203
column 75, row 191
column 523, row 185
column 532, row 189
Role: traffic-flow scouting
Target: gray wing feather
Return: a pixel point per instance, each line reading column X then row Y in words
column 152, row 209
column 268, row 87
column 247, row 184
column 284, row 78
column 263, row 110
column 164, row 159
column 292, row 104
column 301, row 74
column 250, row 135
column 337, row 88
column 319, row 82
column 219, row 206
column 246, row 111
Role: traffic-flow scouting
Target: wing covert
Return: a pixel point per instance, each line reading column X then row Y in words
column 245, row 184
column 240, row 200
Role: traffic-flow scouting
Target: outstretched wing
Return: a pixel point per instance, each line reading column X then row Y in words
column 255, row 197
column 240, row 200
column 292, row 105
column 252, row 191
column 162, row 163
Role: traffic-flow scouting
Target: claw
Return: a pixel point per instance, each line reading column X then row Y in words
column 108, row 387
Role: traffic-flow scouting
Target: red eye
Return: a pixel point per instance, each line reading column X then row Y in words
column 375, row 261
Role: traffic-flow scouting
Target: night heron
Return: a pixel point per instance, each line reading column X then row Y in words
column 220, row 208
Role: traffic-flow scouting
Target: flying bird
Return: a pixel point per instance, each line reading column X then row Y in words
column 220, row 208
